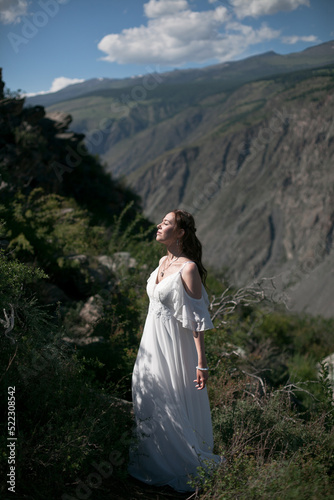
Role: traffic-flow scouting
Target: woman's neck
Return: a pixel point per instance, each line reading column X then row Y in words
column 174, row 252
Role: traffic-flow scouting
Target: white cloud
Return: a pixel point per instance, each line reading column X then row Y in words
column 11, row 11
column 61, row 82
column 58, row 83
column 155, row 8
column 173, row 39
column 256, row 8
column 294, row 39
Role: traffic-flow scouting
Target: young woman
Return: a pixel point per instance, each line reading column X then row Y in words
column 171, row 406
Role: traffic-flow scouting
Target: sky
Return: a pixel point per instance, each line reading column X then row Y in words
column 46, row 45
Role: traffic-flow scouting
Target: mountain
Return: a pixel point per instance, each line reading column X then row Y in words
column 258, row 174
column 247, row 147
column 230, row 73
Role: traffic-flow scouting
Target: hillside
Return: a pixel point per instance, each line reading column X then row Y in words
column 75, row 253
column 247, row 147
column 260, row 181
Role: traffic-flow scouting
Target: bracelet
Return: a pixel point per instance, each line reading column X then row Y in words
column 203, row 369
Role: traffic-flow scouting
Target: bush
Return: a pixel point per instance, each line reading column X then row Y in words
column 65, row 423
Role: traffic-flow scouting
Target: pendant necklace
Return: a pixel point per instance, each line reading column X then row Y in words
column 163, row 271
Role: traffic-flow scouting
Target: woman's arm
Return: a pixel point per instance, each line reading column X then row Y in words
column 193, row 285
column 202, row 375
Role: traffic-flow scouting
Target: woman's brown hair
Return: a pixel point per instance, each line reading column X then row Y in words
column 190, row 244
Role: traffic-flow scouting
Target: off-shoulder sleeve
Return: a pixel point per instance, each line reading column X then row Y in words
column 192, row 313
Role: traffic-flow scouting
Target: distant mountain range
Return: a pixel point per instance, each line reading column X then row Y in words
column 229, row 74
column 246, row 146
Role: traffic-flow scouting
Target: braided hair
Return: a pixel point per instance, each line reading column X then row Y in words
column 190, row 244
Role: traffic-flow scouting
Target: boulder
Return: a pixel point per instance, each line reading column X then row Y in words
column 329, row 361
column 33, row 115
column 50, row 293
column 92, row 310
column 121, row 260
column 11, row 107
column 60, row 120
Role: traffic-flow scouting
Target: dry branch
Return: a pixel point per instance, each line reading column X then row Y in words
column 261, row 290
column 8, row 322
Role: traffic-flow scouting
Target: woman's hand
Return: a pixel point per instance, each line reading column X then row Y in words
column 202, row 377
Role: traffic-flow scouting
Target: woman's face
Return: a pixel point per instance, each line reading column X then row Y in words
column 167, row 233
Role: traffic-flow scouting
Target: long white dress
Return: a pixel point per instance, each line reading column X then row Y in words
column 173, row 420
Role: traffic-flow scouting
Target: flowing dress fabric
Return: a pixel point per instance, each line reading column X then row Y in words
column 173, row 420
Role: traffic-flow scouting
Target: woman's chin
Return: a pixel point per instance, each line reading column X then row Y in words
column 159, row 239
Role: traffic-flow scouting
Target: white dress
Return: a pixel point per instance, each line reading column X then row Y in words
column 173, row 420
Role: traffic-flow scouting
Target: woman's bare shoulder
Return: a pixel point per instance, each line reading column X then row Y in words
column 162, row 259
column 190, row 269
column 192, row 280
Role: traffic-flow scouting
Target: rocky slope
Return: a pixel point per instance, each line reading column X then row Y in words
column 120, row 117
column 54, row 202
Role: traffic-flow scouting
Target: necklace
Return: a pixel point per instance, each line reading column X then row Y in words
column 164, row 269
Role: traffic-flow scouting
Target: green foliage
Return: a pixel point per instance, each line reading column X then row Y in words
column 260, row 430
column 68, row 422
column 270, row 450
column 52, row 230
column 12, row 94
column 14, row 276
column 127, row 232
column 29, row 140
column 247, row 479
column 277, row 436
column 49, row 226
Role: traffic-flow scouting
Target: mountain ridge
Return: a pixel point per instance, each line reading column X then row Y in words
column 189, row 74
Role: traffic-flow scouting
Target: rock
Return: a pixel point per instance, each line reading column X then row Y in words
column 60, row 120
column 3, row 242
column 116, row 262
column 33, row 115
column 85, row 272
column 84, row 341
column 123, row 259
column 329, row 361
column 11, row 106
column 83, row 327
column 92, row 310
column 50, row 293
column 65, row 211
column 81, row 258
column 2, row 85
column 69, row 137
column 106, row 261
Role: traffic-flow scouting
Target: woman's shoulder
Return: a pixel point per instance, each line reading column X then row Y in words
column 192, row 280
column 188, row 266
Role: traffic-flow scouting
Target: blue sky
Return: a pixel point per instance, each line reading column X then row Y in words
column 48, row 44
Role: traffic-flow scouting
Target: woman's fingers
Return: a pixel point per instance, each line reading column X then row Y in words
column 202, row 377
column 199, row 385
